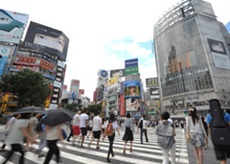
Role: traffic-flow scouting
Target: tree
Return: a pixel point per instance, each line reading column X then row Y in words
column 94, row 109
column 30, row 87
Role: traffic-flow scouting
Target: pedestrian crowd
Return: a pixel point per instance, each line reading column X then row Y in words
column 26, row 128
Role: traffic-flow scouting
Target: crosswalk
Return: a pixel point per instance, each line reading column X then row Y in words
column 147, row 153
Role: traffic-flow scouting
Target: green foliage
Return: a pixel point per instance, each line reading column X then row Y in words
column 73, row 107
column 30, row 87
column 94, row 109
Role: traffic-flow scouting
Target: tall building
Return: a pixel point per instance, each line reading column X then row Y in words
column 193, row 58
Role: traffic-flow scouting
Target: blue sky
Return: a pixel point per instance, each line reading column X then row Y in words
column 102, row 33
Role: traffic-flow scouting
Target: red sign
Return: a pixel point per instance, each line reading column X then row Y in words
column 81, row 91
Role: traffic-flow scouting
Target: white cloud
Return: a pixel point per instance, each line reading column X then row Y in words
column 93, row 25
column 133, row 49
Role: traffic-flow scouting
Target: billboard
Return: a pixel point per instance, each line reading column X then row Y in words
column 74, row 90
column 219, row 54
column 154, row 93
column 81, row 91
column 131, row 66
column 103, row 74
column 5, row 51
column 57, row 85
column 117, row 72
column 132, row 89
column 64, row 87
column 47, row 40
column 151, row 82
column 12, row 26
column 133, row 104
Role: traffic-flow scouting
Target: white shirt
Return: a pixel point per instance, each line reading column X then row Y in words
column 15, row 135
column 97, row 123
column 145, row 124
column 170, row 120
column 83, row 118
column 52, row 133
column 194, row 128
column 76, row 120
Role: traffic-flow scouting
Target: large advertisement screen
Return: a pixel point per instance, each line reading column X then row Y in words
column 133, row 104
column 47, row 39
column 12, row 26
column 219, row 54
column 132, row 89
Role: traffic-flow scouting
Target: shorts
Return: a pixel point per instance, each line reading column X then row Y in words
column 97, row 134
column 76, row 130
column 222, row 152
column 84, row 131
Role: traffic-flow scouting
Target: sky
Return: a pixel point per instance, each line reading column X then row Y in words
column 104, row 33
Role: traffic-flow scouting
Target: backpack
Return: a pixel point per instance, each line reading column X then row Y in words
column 141, row 124
column 38, row 127
column 165, row 137
column 109, row 129
column 220, row 132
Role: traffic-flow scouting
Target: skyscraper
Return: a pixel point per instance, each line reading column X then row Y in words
column 192, row 51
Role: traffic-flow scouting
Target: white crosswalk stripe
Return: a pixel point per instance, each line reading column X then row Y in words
column 147, row 153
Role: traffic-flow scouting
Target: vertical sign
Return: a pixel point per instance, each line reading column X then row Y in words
column 57, row 85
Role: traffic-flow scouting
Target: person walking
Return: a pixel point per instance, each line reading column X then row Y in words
column 76, row 126
column 41, row 132
column 111, row 138
column 128, row 136
column 197, row 133
column 33, row 120
column 70, row 127
column 206, row 129
column 97, row 129
column 103, row 125
column 166, row 142
column 90, row 127
column 53, row 135
column 83, row 125
column 143, row 125
column 8, row 126
column 15, row 136
column 221, row 152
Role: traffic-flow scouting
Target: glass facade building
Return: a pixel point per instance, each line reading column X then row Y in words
column 192, row 56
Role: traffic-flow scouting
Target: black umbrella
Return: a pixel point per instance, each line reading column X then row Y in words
column 30, row 109
column 55, row 117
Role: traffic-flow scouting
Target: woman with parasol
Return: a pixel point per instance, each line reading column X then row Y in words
column 53, row 121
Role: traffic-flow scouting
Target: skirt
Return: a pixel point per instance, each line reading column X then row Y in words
column 128, row 136
column 197, row 139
